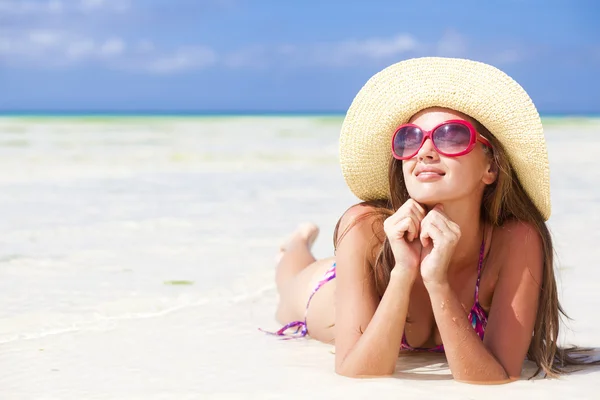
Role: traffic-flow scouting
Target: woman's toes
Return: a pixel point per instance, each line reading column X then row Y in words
column 309, row 232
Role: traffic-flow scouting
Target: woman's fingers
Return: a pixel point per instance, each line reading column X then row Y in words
column 437, row 227
column 419, row 209
column 439, row 214
column 406, row 228
column 430, row 232
column 416, row 218
column 409, row 207
column 413, row 221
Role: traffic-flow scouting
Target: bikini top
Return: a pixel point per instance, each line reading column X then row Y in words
column 477, row 316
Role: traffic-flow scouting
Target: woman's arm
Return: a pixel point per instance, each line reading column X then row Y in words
column 469, row 360
column 368, row 332
column 499, row 358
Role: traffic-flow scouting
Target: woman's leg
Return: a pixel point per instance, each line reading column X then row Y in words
column 298, row 273
column 295, row 254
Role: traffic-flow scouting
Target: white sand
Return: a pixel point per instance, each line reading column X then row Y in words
column 98, row 215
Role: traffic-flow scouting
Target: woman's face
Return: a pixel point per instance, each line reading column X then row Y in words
column 432, row 178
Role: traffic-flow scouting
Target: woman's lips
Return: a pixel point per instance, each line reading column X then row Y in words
column 429, row 176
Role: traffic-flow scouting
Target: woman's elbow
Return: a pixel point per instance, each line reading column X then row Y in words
column 340, row 370
column 362, row 372
column 500, row 378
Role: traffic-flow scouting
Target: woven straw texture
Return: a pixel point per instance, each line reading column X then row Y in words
column 481, row 91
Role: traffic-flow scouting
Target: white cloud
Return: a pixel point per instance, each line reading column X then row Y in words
column 452, row 44
column 108, row 5
column 144, row 46
column 56, row 7
column 375, row 49
column 249, row 57
column 497, row 52
column 505, row 57
column 65, row 41
column 369, row 51
column 5, row 46
column 184, row 59
column 80, row 48
column 18, row 46
column 21, row 7
column 287, row 50
column 60, row 49
column 332, row 54
column 55, row 48
column 92, row 4
column 361, row 52
column 112, row 47
column 44, row 38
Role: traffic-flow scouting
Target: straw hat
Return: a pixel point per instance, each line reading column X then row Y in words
column 481, row 91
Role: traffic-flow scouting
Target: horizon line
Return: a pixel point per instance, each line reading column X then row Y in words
column 223, row 113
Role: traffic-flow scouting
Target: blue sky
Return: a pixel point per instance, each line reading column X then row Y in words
column 231, row 55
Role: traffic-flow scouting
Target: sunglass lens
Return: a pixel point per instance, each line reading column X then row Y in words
column 407, row 141
column 452, row 138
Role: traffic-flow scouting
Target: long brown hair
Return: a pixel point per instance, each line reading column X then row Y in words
column 502, row 201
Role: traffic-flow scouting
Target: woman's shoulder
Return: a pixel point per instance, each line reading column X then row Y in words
column 518, row 245
column 361, row 211
column 363, row 216
column 515, row 232
column 361, row 224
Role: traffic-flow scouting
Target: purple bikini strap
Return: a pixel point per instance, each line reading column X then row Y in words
column 481, row 251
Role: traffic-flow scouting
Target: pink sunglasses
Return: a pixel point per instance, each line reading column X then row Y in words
column 451, row 138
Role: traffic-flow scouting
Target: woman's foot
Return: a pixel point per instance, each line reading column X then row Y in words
column 305, row 234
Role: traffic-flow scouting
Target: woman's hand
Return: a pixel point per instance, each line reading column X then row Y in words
column 439, row 237
column 402, row 230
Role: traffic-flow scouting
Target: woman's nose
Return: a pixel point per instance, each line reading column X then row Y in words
column 427, row 150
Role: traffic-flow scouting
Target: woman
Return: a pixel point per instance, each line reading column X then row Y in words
column 449, row 250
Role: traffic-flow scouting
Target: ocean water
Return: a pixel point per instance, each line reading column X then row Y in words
column 100, row 216
column 137, row 257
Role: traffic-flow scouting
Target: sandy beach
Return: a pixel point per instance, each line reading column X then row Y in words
column 137, row 259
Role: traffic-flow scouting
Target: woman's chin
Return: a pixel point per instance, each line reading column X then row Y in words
column 428, row 201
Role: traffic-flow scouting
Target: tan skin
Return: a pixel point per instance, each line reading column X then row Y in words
column 435, row 237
